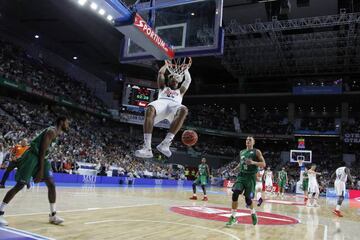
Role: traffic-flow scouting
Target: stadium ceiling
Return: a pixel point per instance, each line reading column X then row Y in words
column 318, row 46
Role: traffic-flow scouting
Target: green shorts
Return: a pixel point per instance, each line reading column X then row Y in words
column 201, row 180
column 305, row 185
column 245, row 183
column 28, row 166
column 282, row 184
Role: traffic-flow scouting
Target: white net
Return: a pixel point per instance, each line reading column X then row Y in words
column 177, row 66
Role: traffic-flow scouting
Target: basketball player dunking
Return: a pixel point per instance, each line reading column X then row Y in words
column 341, row 174
column 167, row 106
column 33, row 164
column 250, row 161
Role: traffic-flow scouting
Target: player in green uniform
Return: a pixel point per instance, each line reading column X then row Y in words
column 283, row 180
column 305, row 185
column 33, row 164
column 250, row 160
column 201, row 179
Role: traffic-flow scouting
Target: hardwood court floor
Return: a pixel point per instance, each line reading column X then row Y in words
column 144, row 213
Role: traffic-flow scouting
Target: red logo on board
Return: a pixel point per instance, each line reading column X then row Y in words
column 140, row 23
column 243, row 216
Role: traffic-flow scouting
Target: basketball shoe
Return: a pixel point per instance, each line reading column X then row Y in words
column 337, row 213
column 144, row 153
column 254, row 218
column 205, row 199
column 260, row 202
column 193, row 198
column 3, row 222
column 164, row 148
column 54, row 219
column 232, row 221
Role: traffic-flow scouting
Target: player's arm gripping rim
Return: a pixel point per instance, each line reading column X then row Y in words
column 161, row 77
column 261, row 163
column 45, row 143
column 185, row 85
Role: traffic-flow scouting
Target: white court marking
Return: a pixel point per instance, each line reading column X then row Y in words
column 248, row 214
column 325, row 231
column 81, row 210
column 166, row 222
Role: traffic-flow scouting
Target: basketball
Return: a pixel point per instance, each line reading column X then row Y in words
column 189, row 138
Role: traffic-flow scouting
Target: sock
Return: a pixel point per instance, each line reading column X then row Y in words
column 282, row 194
column 337, row 207
column 233, row 212
column 52, row 208
column 205, row 195
column 2, row 206
column 169, row 137
column 258, row 196
column 253, row 211
column 147, row 140
column 194, row 194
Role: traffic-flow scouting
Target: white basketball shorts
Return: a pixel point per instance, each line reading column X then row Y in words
column 165, row 109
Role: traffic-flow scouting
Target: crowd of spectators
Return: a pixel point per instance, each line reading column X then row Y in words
column 18, row 66
column 90, row 140
column 221, row 117
column 318, row 124
column 266, row 123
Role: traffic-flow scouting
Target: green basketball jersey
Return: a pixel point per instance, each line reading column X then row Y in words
column 248, row 154
column 282, row 175
column 305, row 177
column 203, row 169
column 36, row 142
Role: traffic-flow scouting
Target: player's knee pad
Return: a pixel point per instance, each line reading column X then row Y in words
column 235, row 195
column 248, row 201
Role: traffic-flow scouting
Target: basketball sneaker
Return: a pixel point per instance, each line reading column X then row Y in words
column 232, row 221
column 193, row 198
column 3, row 222
column 164, row 148
column 260, row 202
column 337, row 213
column 144, row 153
column 254, row 218
column 205, row 199
column 54, row 219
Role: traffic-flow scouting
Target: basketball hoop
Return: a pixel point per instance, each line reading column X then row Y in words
column 178, row 66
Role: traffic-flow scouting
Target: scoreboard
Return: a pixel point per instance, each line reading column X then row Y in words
column 139, row 96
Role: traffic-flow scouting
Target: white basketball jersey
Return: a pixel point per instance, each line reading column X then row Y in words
column 268, row 174
column 169, row 94
column 312, row 178
column 260, row 176
column 341, row 174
